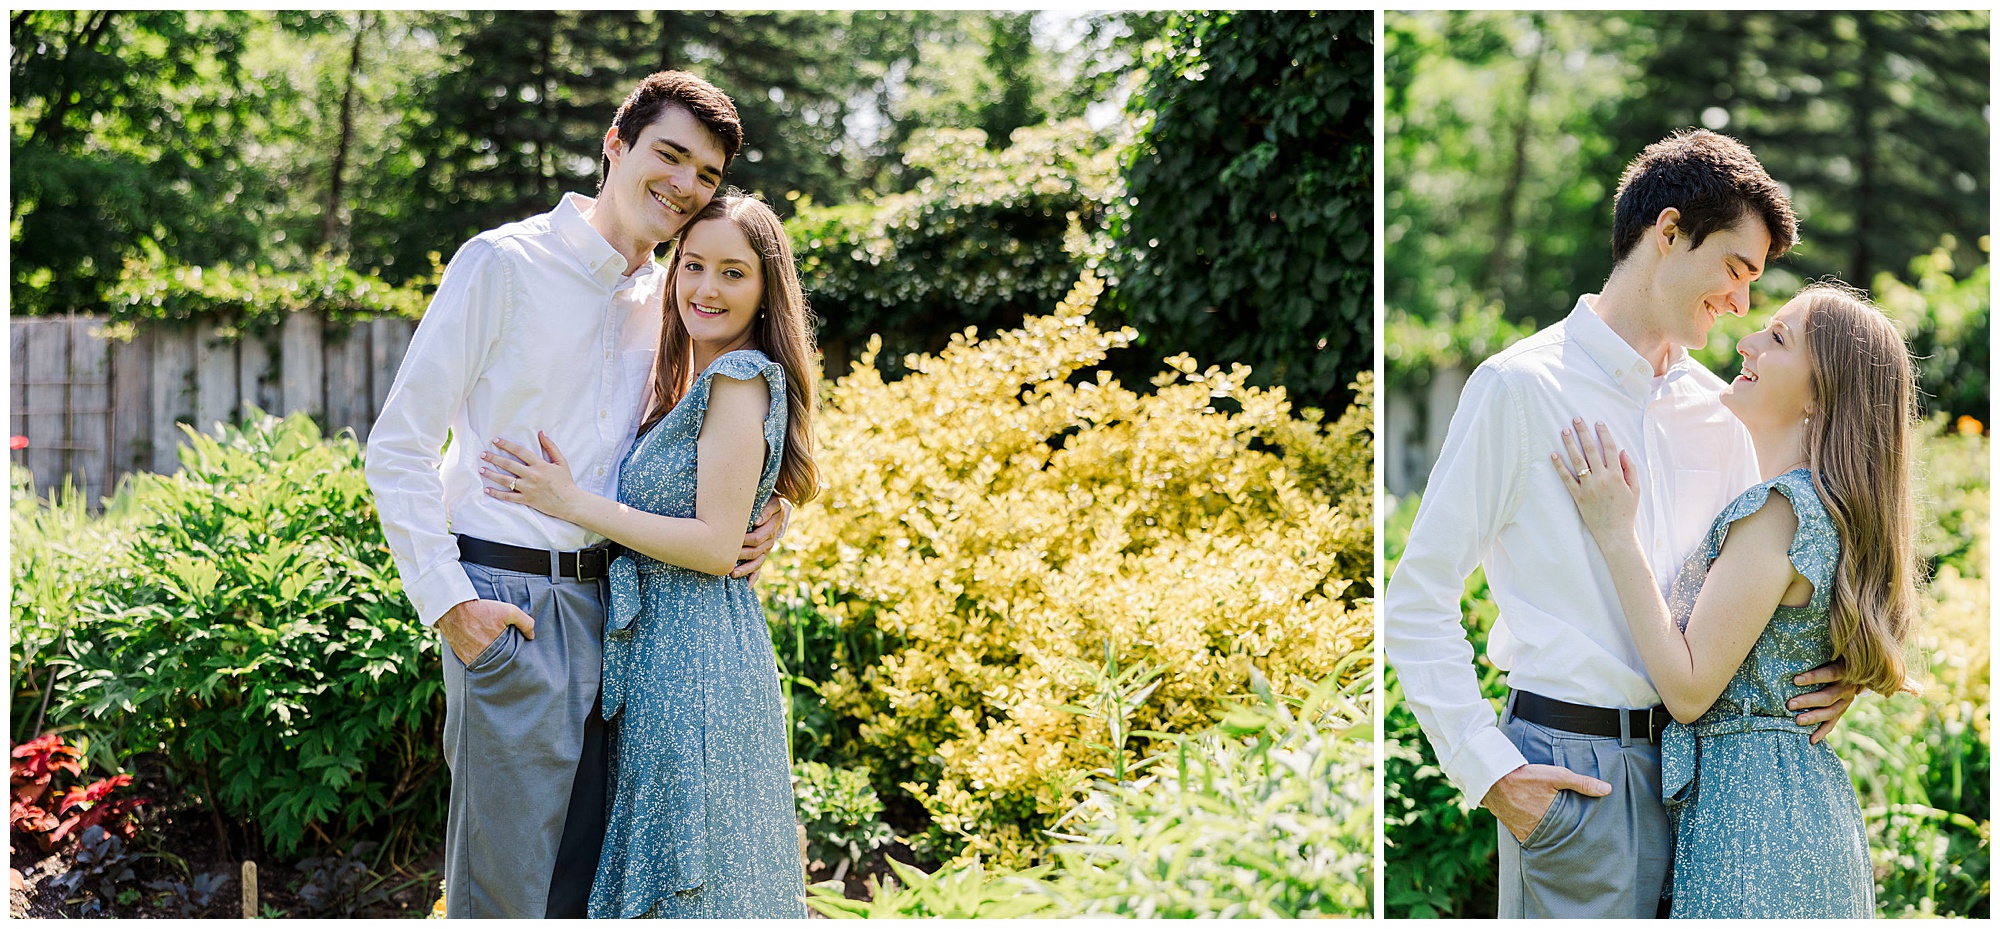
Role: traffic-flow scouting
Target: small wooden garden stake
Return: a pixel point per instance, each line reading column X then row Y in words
column 249, row 890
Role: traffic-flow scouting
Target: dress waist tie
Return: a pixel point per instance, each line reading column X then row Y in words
column 1680, row 750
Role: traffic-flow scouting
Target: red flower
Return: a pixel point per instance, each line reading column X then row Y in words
column 97, row 809
column 36, row 764
column 79, row 796
column 17, row 443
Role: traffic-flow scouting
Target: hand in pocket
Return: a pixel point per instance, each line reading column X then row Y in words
column 1525, row 795
column 470, row 627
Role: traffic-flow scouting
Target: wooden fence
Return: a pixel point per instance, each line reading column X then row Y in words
column 1412, row 429
column 94, row 409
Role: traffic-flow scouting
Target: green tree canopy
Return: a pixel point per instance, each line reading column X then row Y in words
column 126, row 129
column 384, row 138
column 1249, row 233
column 987, row 238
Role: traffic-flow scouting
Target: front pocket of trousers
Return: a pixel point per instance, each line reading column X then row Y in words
column 500, row 588
column 1570, row 808
column 1560, row 820
column 491, row 655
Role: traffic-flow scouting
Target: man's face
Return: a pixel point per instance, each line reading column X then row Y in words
column 666, row 175
column 1696, row 285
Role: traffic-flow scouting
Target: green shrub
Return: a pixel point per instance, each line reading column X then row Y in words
column 1948, row 322
column 1413, row 347
column 1957, row 504
column 986, row 238
column 248, row 625
column 1247, row 235
column 1269, row 814
column 841, row 813
column 257, row 298
column 60, row 554
column 965, row 891
column 1266, row 813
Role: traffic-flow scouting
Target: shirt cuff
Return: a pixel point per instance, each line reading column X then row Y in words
column 1486, row 758
column 438, row 590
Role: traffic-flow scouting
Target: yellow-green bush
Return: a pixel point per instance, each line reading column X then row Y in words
column 996, row 515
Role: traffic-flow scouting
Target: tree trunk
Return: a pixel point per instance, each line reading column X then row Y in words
column 544, row 158
column 330, row 237
column 1510, row 193
column 1866, row 97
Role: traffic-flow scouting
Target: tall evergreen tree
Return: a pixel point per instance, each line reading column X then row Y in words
column 1876, row 121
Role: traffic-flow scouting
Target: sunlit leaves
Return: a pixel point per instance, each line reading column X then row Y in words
column 994, row 516
column 241, row 618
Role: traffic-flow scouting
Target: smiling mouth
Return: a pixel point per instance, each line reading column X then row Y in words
column 707, row 310
column 1747, row 375
column 669, row 204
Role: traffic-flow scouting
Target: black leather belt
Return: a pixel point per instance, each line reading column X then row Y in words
column 587, row 564
column 1591, row 720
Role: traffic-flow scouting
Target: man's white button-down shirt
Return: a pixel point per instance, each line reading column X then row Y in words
column 535, row 327
column 1494, row 498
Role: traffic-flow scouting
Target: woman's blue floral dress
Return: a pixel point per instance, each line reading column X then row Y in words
column 702, row 822
column 1765, row 822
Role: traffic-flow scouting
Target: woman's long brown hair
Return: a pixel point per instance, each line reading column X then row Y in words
column 782, row 330
column 1859, row 444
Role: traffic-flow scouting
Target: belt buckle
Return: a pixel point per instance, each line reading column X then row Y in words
column 584, row 573
column 1653, row 734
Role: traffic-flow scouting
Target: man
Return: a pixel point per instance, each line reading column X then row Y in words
column 1572, row 769
column 550, row 324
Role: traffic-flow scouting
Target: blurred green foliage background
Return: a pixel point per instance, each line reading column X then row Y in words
column 1505, row 135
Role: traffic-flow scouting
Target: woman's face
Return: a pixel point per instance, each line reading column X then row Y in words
column 719, row 285
column 1775, row 386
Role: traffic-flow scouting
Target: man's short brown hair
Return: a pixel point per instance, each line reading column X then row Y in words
column 1712, row 179
column 661, row 89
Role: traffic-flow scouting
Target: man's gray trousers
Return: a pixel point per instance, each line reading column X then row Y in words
column 526, row 750
column 1589, row 857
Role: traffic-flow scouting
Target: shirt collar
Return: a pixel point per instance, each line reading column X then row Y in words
column 598, row 257
column 1615, row 355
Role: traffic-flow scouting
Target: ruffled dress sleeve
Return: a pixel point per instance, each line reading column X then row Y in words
column 681, row 425
column 1814, row 553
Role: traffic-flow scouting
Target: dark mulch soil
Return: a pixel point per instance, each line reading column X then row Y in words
column 176, row 843
column 176, row 840
column 873, row 865
column 187, row 835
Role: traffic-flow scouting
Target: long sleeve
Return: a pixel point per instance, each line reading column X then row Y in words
column 451, row 348
column 1474, row 489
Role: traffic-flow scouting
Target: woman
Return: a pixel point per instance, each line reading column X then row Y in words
column 702, row 821
column 1765, row 817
